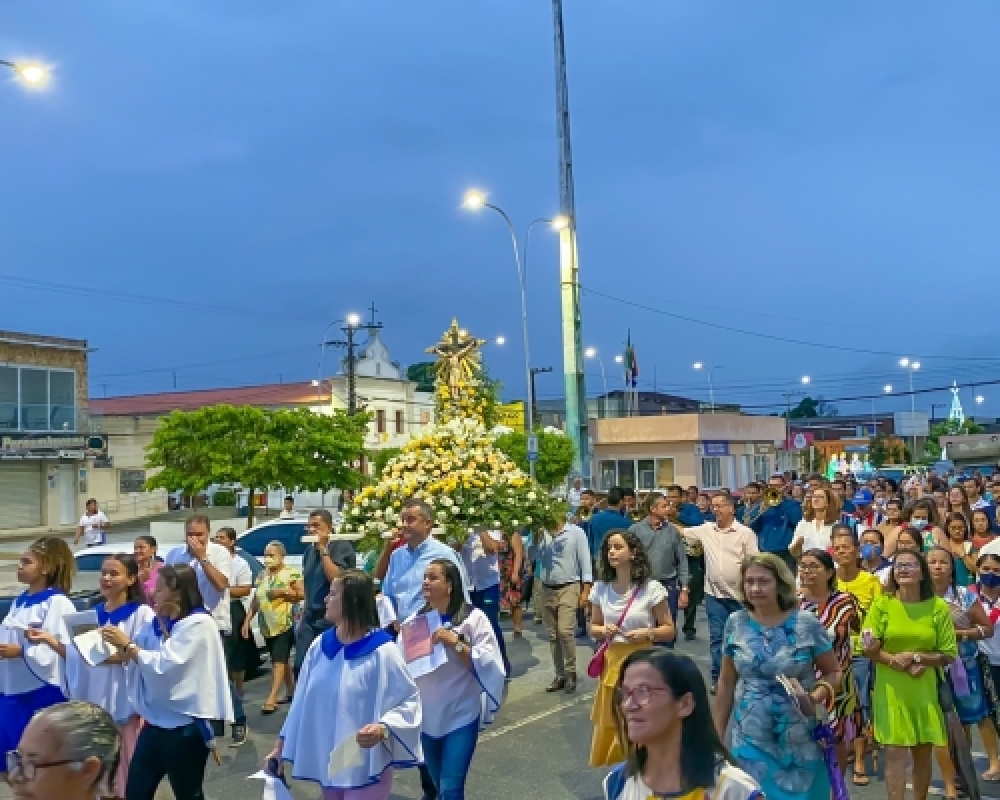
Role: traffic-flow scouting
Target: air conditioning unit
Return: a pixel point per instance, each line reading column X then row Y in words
column 72, row 455
column 699, row 449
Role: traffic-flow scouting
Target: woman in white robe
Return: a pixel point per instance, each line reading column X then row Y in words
column 181, row 686
column 356, row 711
column 463, row 693
column 106, row 684
column 31, row 674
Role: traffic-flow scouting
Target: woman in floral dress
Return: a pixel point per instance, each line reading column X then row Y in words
column 838, row 614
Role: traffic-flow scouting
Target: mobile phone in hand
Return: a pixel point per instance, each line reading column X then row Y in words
column 274, row 768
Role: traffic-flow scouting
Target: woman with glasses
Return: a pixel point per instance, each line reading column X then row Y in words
column 181, row 685
column 664, row 725
column 772, row 729
column 69, row 751
column 908, row 634
column 962, row 550
column 965, row 676
column 838, row 614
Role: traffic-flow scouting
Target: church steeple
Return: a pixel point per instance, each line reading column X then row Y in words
column 956, row 415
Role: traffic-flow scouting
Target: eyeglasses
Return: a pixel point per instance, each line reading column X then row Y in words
column 906, row 567
column 21, row 771
column 809, row 567
column 410, row 520
column 640, row 695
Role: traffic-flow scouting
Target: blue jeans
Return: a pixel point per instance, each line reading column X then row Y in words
column 718, row 610
column 448, row 759
column 488, row 601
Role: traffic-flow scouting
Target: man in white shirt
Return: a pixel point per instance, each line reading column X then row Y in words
column 240, row 588
column 92, row 526
column 480, row 554
column 726, row 543
column 213, row 566
column 288, row 512
column 575, row 494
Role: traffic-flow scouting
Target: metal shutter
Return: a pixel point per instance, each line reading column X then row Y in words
column 20, row 495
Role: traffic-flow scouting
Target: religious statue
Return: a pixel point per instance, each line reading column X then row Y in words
column 458, row 357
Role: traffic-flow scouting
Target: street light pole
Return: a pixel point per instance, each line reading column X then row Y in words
column 591, row 352
column 711, row 387
column 32, row 74
column 534, row 409
column 350, row 330
column 911, row 366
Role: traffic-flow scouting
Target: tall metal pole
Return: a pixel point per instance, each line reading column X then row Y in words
column 352, row 381
column 576, row 390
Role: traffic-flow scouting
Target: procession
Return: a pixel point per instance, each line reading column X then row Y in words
column 499, row 399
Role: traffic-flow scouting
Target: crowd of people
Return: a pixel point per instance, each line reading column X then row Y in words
column 846, row 624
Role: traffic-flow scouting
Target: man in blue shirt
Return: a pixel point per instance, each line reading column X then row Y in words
column 611, row 518
column 688, row 514
column 776, row 524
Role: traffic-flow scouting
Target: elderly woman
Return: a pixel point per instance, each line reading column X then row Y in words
column 274, row 599
column 772, row 731
column 69, row 750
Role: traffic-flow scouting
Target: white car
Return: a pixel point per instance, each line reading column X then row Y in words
column 292, row 533
column 89, row 560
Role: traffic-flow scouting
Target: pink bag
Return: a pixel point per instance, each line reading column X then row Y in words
column 595, row 668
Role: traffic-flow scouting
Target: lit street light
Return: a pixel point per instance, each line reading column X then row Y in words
column 911, row 366
column 711, row 390
column 35, row 75
column 591, row 352
column 980, row 398
column 500, row 340
column 476, row 200
column 806, row 379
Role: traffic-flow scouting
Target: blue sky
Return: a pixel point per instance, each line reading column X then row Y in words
column 823, row 173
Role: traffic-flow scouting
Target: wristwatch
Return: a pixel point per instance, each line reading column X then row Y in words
column 460, row 645
column 916, row 658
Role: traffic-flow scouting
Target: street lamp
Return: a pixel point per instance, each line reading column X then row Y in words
column 500, row 340
column 591, row 352
column 911, row 366
column 476, row 200
column 34, row 75
column 711, row 390
column 980, row 398
column 806, row 380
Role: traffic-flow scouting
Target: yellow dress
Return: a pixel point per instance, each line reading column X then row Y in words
column 604, row 748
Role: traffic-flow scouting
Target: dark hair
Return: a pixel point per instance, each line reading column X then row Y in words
column 951, row 560
column 926, row 584
column 198, row 519
column 229, row 533
column 914, row 534
column 587, row 491
column 675, row 487
column 628, row 492
column 615, row 495
column 828, row 564
column 57, row 561
column 457, row 607
column 358, row 603
column 877, row 532
column 182, row 579
column 325, row 515
column 701, row 747
column 927, row 503
column 956, row 517
column 289, row 497
column 90, row 500
column 982, row 511
column 841, row 531
column 641, row 569
column 984, row 556
column 894, row 501
column 414, row 502
column 148, row 540
column 133, row 592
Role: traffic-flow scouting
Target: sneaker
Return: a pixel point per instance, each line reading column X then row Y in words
column 239, row 735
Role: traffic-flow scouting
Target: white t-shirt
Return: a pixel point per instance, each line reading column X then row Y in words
column 216, row 602
column 640, row 613
column 813, row 538
column 242, row 576
column 482, row 568
column 93, row 535
column 574, row 497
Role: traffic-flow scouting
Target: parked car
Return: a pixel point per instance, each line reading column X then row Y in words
column 88, row 566
column 84, row 598
column 289, row 532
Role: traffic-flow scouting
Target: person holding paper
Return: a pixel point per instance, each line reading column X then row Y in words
column 356, row 712
column 31, row 674
column 144, row 548
column 463, row 692
column 181, row 685
column 106, row 683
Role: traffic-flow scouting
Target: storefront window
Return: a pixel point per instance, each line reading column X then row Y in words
column 626, row 474
column 34, row 399
column 8, row 398
column 664, row 472
column 647, row 474
column 711, row 472
column 608, row 477
column 62, row 400
column 37, row 399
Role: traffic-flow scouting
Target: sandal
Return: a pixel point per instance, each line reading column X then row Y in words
column 518, row 634
column 266, row 710
column 991, row 776
column 860, row 779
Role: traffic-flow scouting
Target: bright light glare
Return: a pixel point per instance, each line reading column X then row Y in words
column 590, row 352
column 698, row 365
column 501, row 340
column 560, row 223
column 32, row 73
column 315, row 382
column 914, row 365
column 474, row 200
column 619, row 359
column 353, row 320
column 887, row 388
column 806, row 379
column 980, row 398
column 904, row 362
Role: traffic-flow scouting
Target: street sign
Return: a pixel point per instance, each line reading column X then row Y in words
column 532, row 447
column 131, row 480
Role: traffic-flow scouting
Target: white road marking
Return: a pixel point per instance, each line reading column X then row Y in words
column 535, row 717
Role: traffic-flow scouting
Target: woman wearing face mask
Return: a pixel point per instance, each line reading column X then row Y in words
column 982, row 529
column 891, row 525
column 864, row 587
column 923, row 516
column 274, row 600
column 107, row 684
column 961, row 549
column 664, row 724
column 909, row 635
column 837, row 612
column 772, row 732
column 819, row 514
column 972, row 626
column 872, row 551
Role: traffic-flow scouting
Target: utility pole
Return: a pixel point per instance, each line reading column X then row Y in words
column 531, row 400
column 576, row 390
column 353, row 325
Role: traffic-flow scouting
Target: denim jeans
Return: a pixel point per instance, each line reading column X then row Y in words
column 448, row 759
column 488, row 601
column 718, row 610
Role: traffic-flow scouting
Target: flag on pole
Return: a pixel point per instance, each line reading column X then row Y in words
column 631, row 363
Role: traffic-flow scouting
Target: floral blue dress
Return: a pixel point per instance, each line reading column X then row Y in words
column 770, row 738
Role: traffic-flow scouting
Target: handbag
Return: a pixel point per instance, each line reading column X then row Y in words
column 596, row 666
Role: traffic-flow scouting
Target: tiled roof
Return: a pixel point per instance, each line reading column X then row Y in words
column 268, row 395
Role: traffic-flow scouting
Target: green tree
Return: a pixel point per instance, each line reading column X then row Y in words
column 886, row 450
column 932, row 450
column 555, row 455
column 422, row 373
column 256, row 448
column 809, row 407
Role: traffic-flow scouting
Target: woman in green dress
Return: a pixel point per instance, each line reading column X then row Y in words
column 908, row 634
